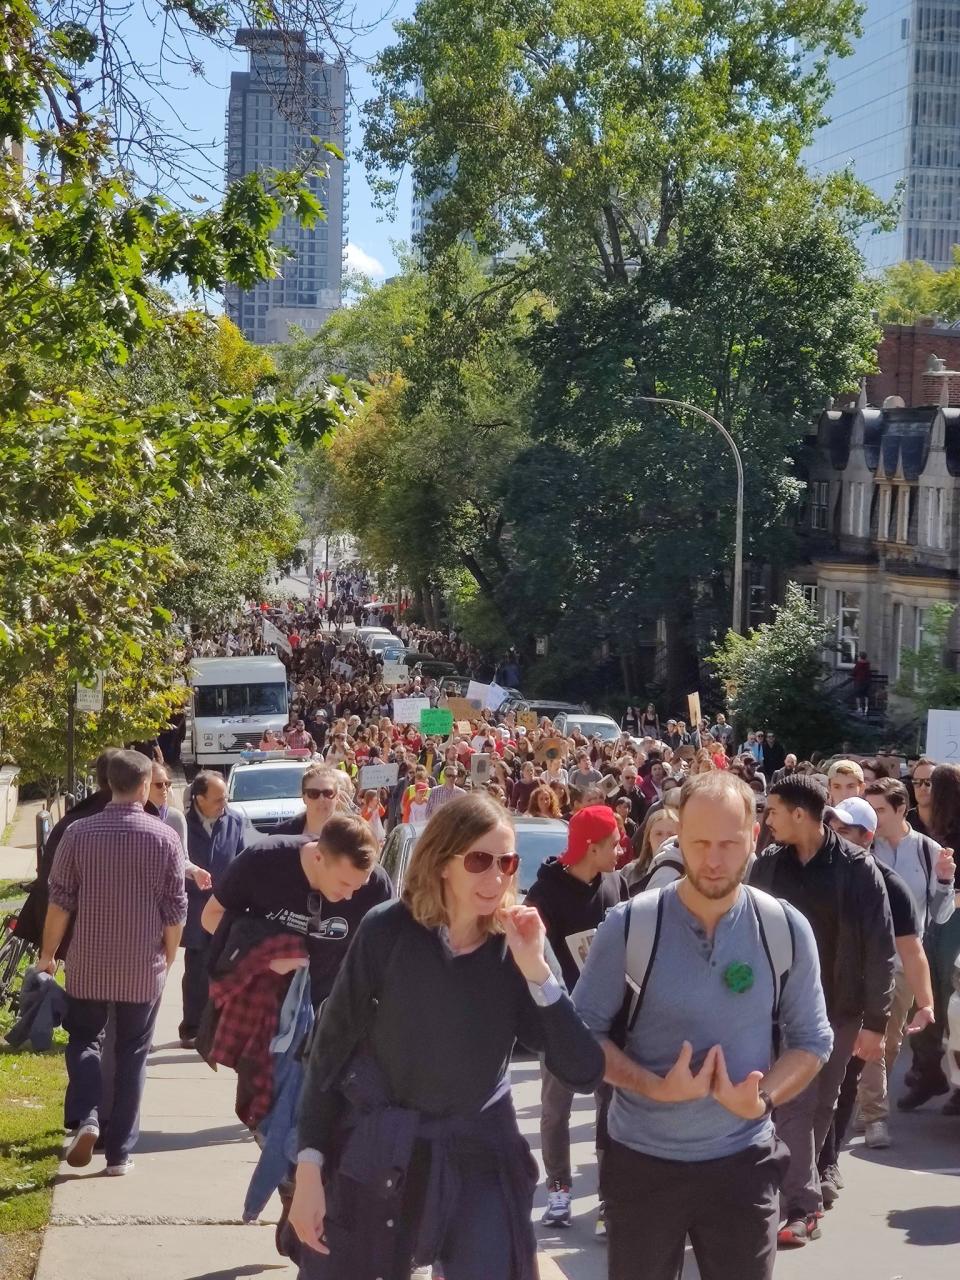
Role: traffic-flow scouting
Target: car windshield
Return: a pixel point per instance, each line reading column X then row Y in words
column 240, row 700
column 604, row 729
column 535, row 844
column 266, row 784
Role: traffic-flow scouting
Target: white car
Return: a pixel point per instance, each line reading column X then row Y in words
column 363, row 635
column 603, row 727
column 537, row 840
column 267, row 792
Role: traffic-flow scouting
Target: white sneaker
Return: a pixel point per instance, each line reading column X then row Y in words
column 118, row 1170
column 877, row 1134
column 80, row 1150
column 558, row 1212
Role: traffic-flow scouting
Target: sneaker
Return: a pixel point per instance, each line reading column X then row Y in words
column 798, row 1229
column 831, row 1185
column 558, row 1212
column 80, row 1150
column 877, row 1135
column 119, row 1170
column 188, row 1042
column 921, row 1093
column 952, row 1106
column 600, row 1227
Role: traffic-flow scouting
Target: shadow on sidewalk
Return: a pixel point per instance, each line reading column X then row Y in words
column 928, row 1224
column 154, row 1141
column 231, row 1273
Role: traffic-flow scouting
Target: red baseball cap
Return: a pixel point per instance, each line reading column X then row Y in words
column 589, row 826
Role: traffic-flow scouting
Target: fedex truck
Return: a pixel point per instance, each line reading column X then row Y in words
column 232, row 702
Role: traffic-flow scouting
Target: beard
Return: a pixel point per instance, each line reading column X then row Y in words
column 716, row 889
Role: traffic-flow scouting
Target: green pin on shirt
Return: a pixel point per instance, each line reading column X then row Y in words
column 738, row 977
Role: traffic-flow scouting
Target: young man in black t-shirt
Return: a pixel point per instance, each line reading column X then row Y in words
column 319, row 888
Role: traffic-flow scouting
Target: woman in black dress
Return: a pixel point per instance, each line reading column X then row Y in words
column 410, row 1152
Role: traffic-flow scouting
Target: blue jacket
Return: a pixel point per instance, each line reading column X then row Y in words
column 214, row 851
column 43, row 1004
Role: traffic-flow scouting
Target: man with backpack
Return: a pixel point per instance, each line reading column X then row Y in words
column 573, row 893
column 688, row 989
column 841, row 893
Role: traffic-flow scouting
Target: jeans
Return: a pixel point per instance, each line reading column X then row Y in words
column 196, row 988
column 85, row 1023
column 728, row 1207
column 804, row 1122
column 556, row 1101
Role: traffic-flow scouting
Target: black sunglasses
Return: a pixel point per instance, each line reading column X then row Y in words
column 315, row 793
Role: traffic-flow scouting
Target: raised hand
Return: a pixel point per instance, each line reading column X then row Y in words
column 741, row 1099
column 526, row 937
column 945, row 867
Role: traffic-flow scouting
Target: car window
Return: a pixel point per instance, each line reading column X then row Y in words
column 390, row 858
column 535, row 845
column 266, row 784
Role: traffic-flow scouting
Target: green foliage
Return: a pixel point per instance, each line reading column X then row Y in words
column 773, row 677
column 925, row 680
column 912, row 290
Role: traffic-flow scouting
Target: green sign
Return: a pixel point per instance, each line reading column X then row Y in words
column 437, row 722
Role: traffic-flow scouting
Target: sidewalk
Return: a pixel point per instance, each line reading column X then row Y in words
column 177, row 1216
column 18, row 859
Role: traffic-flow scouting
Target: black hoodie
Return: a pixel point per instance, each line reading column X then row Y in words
column 571, row 907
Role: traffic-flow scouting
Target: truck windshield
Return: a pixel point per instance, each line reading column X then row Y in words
column 240, row 700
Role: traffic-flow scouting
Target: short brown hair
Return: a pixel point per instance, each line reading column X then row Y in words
column 717, row 785
column 892, row 790
column 450, row 831
column 315, row 771
column 346, row 835
column 845, row 768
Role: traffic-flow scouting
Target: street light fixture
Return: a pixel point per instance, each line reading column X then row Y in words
column 738, row 535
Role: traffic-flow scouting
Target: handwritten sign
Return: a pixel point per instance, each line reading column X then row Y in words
column 408, row 710
column 943, row 736
column 527, row 720
column 437, row 721
column 379, row 775
column 462, row 709
column 481, row 769
column 395, row 673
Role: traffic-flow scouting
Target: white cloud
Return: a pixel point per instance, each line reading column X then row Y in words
column 357, row 260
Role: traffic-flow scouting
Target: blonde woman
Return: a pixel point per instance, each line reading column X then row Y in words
column 410, row 1152
column 656, row 830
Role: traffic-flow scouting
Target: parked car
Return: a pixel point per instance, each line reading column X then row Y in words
column 428, row 664
column 537, row 840
column 604, row 727
column 268, row 792
column 363, row 635
column 541, row 707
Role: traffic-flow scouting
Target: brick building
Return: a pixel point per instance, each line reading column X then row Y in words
column 902, row 359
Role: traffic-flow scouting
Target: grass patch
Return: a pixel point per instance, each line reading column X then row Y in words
column 31, row 1138
column 12, row 892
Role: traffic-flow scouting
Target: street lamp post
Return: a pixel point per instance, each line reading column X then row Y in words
column 738, row 534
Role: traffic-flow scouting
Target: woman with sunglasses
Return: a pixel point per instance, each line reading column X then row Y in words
column 410, row 1152
column 320, row 789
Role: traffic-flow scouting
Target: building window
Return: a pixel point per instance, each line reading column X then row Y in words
column 819, row 493
column 919, row 632
column 848, row 627
column 758, row 605
column 941, row 528
column 896, row 641
column 883, row 532
column 811, row 595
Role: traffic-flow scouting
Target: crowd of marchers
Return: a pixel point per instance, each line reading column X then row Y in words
column 727, row 952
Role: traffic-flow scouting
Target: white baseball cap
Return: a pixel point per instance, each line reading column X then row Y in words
column 855, row 812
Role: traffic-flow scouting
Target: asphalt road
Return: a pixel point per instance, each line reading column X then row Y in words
column 898, row 1217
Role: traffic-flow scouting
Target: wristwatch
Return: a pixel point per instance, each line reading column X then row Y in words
column 766, row 1100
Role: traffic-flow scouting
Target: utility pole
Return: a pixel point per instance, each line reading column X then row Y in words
column 71, row 713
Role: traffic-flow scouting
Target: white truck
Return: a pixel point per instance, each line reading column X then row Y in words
column 233, row 701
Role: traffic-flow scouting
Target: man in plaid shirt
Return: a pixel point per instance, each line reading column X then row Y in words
column 120, row 876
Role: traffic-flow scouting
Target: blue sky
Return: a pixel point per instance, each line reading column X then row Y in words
column 200, row 103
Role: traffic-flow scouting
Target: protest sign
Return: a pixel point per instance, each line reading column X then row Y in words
column 407, row 710
column 437, row 721
column 481, row 769
column 379, row 775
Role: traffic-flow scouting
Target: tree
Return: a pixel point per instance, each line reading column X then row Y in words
column 773, row 677
column 915, row 289
column 925, row 680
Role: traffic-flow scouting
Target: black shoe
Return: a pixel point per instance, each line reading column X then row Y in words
column 952, row 1106
column 921, row 1093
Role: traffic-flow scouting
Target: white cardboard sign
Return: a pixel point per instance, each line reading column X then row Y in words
column 379, row 775
column 407, row 710
column 943, row 736
column 395, row 673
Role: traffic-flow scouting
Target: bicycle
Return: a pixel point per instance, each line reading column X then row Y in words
column 15, row 955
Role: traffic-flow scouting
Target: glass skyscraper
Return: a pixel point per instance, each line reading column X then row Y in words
column 895, row 120
column 289, row 94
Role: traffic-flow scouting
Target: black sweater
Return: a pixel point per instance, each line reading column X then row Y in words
column 570, row 906
column 440, row 1027
column 857, row 949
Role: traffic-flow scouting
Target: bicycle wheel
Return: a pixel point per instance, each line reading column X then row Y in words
column 14, row 952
